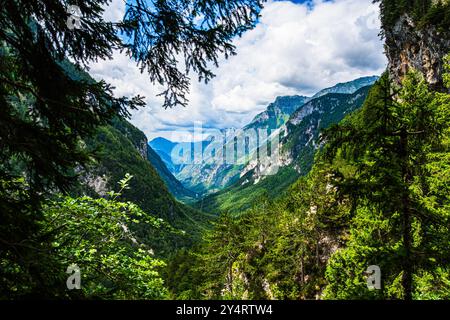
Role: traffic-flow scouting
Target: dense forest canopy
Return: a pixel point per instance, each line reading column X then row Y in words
column 424, row 12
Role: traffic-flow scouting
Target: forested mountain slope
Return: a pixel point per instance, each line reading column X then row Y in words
column 120, row 149
column 174, row 186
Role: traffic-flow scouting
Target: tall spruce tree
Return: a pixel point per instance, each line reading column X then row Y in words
column 400, row 219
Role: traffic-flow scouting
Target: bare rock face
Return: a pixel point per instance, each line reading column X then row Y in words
column 408, row 47
column 98, row 183
column 143, row 148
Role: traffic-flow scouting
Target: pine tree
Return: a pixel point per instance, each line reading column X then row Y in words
column 391, row 142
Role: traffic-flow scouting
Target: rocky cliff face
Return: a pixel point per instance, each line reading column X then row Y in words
column 408, row 46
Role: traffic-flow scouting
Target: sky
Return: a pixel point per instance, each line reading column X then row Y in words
column 297, row 48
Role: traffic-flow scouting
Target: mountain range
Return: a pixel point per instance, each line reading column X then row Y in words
column 301, row 119
column 296, row 155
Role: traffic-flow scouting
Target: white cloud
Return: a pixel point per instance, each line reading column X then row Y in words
column 114, row 11
column 292, row 50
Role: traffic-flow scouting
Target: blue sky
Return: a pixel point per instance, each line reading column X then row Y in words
column 300, row 1
column 298, row 47
column 309, row 3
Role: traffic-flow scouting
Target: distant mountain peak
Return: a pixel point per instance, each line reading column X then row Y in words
column 278, row 112
column 163, row 144
column 283, row 99
column 348, row 87
column 161, row 140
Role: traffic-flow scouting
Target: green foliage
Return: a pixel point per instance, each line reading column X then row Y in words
column 275, row 250
column 424, row 12
column 398, row 144
column 115, row 148
column 199, row 30
column 241, row 195
column 95, row 235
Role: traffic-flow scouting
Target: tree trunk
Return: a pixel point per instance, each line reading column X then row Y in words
column 406, row 217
